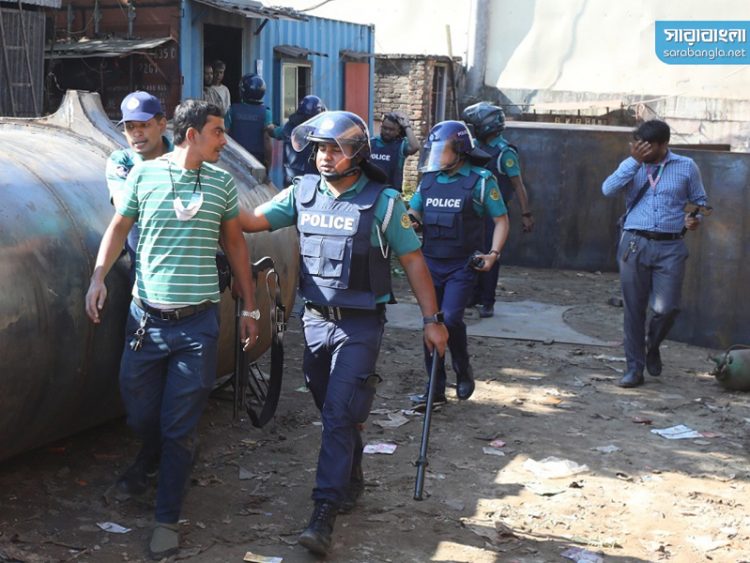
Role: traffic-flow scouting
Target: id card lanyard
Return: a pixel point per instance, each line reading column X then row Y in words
column 653, row 181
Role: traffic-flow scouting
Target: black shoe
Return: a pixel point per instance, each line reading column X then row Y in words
column 465, row 384
column 632, row 378
column 136, row 479
column 356, row 488
column 317, row 535
column 653, row 361
column 487, row 311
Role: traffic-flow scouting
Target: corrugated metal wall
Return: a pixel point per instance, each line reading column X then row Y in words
column 325, row 36
column 563, row 167
column 16, row 85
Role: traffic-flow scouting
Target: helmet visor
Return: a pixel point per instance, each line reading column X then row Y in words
column 330, row 127
column 439, row 155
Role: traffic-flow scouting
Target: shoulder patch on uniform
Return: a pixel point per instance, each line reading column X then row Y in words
column 405, row 221
column 509, row 162
column 483, row 172
column 495, row 194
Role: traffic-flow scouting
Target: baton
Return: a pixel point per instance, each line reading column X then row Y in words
column 422, row 460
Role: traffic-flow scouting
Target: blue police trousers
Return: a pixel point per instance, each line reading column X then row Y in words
column 651, row 273
column 484, row 289
column 165, row 387
column 454, row 281
column 339, row 367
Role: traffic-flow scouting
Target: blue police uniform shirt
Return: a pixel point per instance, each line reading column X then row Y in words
column 121, row 162
column 661, row 208
column 507, row 161
column 281, row 212
column 490, row 204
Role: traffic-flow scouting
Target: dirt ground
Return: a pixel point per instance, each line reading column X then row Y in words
column 641, row 498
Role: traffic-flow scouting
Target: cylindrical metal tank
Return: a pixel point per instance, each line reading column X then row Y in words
column 58, row 371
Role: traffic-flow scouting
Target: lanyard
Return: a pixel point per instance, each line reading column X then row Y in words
column 653, row 181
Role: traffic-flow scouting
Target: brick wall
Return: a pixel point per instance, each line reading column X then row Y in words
column 404, row 83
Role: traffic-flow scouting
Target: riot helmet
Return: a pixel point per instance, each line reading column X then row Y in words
column 252, row 88
column 448, row 143
column 345, row 129
column 310, row 106
column 485, row 119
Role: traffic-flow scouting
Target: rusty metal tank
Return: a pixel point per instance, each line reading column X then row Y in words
column 58, row 372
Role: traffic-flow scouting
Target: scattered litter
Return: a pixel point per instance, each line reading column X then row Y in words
column 610, row 358
column 410, row 412
column 302, row 389
column 611, row 448
column 681, row 432
column 614, row 301
column 394, row 421
column 707, row 543
column 544, row 490
column 254, row 558
column 380, row 448
column 497, row 444
column 642, row 420
column 245, row 474
column 317, row 423
column 580, row 555
column 113, row 528
column 554, row 467
column 249, row 442
column 381, row 411
column 493, row 451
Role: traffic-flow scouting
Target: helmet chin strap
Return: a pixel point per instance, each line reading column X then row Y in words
column 337, row 175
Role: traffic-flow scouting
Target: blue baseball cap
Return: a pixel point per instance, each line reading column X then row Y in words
column 139, row 106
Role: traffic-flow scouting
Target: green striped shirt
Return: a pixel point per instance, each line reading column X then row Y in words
column 175, row 260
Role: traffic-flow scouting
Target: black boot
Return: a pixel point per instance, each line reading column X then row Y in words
column 317, row 535
column 465, row 384
column 356, row 488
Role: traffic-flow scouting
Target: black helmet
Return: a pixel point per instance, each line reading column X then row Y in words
column 252, row 88
column 311, row 105
column 485, row 119
column 447, row 143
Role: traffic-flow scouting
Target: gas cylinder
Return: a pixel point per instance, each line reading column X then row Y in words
column 733, row 368
column 59, row 371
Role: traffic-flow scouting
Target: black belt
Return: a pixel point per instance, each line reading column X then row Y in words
column 653, row 235
column 339, row 313
column 173, row 314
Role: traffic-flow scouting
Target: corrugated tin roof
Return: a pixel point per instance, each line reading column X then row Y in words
column 45, row 3
column 252, row 9
column 103, row 48
column 296, row 52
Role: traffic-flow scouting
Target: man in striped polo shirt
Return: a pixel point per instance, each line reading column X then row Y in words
column 183, row 204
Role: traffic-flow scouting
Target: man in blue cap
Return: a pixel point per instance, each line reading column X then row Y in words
column 144, row 127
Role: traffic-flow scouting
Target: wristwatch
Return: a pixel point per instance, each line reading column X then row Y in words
column 254, row 314
column 437, row 318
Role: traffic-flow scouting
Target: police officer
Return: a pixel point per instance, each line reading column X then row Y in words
column 451, row 201
column 248, row 120
column 488, row 122
column 298, row 163
column 349, row 222
column 390, row 149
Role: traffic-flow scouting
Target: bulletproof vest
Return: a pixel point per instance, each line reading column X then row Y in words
column 296, row 163
column 506, row 188
column 451, row 227
column 248, row 121
column 387, row 158
column 339, row 266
